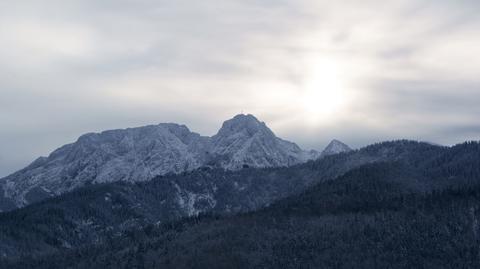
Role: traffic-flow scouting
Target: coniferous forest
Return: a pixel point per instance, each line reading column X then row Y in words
column 414, row 206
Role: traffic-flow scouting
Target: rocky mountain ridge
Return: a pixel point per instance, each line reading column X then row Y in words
column 140, row 154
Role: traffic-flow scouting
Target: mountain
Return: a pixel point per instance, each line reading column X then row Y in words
column 140, row 154
column 245, row 142
column 335, row 147
column 135, row 154
column 96, row 212
column 402, row 205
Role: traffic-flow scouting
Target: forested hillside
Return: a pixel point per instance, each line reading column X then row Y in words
column 419, row 209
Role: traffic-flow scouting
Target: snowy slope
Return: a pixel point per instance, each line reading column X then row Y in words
column 245, row 141
column 335, row 147
column 139, row 154
column 136, row 154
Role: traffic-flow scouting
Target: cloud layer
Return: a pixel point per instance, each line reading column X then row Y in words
column 359, row 71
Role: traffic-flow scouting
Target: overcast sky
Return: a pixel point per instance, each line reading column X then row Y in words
column 313, row 70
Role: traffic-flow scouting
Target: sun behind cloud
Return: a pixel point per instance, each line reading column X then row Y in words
column 325, row 90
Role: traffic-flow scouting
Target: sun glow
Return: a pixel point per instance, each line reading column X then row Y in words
column 324, row 90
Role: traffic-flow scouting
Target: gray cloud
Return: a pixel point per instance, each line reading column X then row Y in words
column 407, row 69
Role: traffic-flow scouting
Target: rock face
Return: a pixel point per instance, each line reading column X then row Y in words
column 245, row 141
column 136, row 154
column 139, row 154
column 335, row 147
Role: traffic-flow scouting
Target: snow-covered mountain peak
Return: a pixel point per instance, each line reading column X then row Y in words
column 243, row 124
column 244, row 141
column 335, row 147
column 139, row 154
